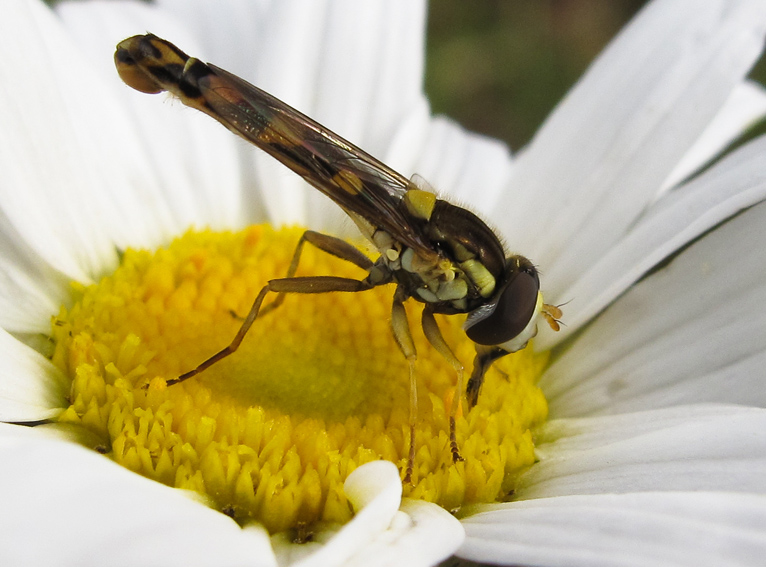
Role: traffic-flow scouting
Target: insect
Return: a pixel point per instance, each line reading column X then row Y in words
column 436, row 253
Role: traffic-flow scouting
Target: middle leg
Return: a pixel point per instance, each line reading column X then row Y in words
column 435, row 337
column 330, row 244
column 401, row 330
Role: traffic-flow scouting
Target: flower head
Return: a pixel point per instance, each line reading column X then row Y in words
column 635, row 461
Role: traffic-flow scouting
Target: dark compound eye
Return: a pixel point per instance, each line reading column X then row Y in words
column 514, row 307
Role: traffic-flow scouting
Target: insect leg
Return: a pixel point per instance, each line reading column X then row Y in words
column 485, row 356
column 435, row 337
column 313, row 284
column 330, row 244
column 401, row 329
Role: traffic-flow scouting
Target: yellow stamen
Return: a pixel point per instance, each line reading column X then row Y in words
column 317, row 388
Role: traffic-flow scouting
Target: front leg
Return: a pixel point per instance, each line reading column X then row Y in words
column 485, row 356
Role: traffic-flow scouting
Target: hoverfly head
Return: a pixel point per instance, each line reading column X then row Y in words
column 509, row 319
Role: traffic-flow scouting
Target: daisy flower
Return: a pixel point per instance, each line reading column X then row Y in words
column 125, row 252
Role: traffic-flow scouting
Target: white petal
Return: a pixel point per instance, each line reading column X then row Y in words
column 735, row 183
column 31, row 388
column 682, row 448
column 696, row 529
column 364, row 92
column 90, row 511
column 408, row 150
column 41, row 153
column 467, row 167
column 744, row 107
column 695, row 331
column 618, row 134
column 188, row 160
column 426, row 535
column 380, row 534
column 230, row 32
column 72, row 190
column 30, row 289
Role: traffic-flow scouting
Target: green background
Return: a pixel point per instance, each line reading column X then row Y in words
column 500, row 66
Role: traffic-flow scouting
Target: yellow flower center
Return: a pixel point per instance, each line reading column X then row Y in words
column 317, row 388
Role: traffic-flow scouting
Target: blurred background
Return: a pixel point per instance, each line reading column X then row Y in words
column 499, row 66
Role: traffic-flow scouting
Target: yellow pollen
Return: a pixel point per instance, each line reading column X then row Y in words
column 317, row 388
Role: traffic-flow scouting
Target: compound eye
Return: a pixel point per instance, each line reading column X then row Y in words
column 514, row 308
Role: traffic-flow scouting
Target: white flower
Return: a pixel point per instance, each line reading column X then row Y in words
column 656, row 448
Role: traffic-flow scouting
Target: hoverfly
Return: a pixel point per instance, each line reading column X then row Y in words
column 434, row 252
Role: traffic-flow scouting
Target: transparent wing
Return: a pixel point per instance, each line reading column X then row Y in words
column 347, row 174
